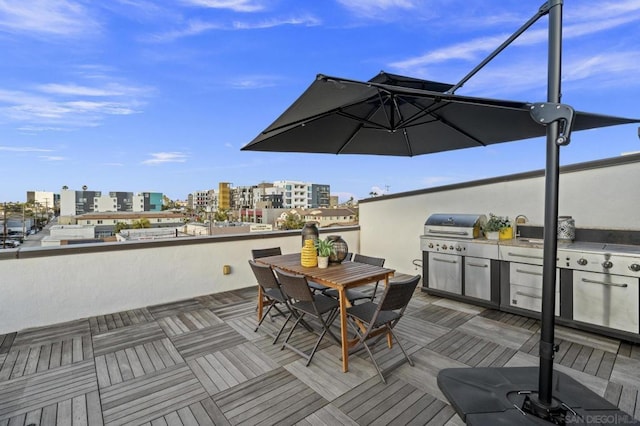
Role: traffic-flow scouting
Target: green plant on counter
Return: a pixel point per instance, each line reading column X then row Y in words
column 496, row 223
column 325, row 247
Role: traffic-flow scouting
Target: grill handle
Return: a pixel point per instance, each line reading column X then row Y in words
column 523, row 271
column 479, row 265
column 586, row 280
column 528, row 256
column 432, row 231
column 533, row 296
column 444, row 260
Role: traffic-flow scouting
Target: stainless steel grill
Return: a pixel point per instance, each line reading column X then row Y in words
column 465, row 226
column 456, row 261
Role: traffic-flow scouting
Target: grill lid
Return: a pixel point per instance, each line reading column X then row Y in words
column 454, row 225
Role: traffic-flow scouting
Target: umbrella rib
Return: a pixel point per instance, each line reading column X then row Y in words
column 349, row 139
column 405, row 134
column 361, row 125
column 459, row 130
column 432, row 112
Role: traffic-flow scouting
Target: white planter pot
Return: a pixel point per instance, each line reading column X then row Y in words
column 492, row 235
column 323, row 262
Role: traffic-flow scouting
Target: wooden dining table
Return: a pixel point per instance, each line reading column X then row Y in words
column 341, row 276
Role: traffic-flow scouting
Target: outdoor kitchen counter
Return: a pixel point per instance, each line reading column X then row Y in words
column 597, row 283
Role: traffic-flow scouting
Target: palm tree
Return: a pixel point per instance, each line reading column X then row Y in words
column 293, row 221
column 143, row 222
column 119, row 227
column 220, row 216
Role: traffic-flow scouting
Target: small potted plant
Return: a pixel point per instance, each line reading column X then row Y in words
column 325, row 249
column 498, row 228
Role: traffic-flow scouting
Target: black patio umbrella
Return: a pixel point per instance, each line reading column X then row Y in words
column 405, row 118
column 341, row 116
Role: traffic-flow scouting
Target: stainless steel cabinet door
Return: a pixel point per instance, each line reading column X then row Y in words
column 525, row 284
column 445, row 272
column 606, row 300
column 477, row 277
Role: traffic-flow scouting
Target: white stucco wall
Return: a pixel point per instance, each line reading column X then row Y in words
column 603, row 197
column 60, row 287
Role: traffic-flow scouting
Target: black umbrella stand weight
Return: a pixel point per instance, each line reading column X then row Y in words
column 529, row 395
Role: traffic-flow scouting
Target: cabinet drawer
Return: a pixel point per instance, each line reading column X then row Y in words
column 606, row 300
column 525, row 275
column 530, row 298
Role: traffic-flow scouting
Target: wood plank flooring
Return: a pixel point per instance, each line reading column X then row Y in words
column 199, row 362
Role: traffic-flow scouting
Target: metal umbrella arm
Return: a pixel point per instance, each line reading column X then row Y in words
column 544, row 10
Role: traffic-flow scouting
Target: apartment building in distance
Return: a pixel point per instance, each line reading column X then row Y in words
column 43, row 199
column 75, row 203
column 303, row 195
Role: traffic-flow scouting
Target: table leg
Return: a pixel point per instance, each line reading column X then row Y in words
column 260, row 303
column 343, row 329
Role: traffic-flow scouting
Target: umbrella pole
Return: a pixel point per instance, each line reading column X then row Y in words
column 547, row 346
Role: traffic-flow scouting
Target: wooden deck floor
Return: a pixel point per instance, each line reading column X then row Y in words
column 199, row 362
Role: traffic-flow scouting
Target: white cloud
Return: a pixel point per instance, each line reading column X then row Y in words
column 308, row 21
column 166, row 157
column 254, row 82
column 235, row 5
column 60, row 106
column 192, row 28
column 23, row 149
column 46, row 17
column 528, row 70
column 197, row 27
column 73, row 89
column 467, row 50
column 377, row 9
column 52, row 158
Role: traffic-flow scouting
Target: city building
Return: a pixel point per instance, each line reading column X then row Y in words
column 224, row 196
column 73, row 203
column 44, row 199
column 303, row 195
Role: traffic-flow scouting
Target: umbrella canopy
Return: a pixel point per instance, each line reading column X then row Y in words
column 412, row 82
column 342, row 116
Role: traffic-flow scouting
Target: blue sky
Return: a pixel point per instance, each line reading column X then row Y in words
column 143, row 95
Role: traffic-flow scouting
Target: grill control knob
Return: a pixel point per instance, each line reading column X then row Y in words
column 607, row 264
column 458, row 248
column 430, row 245
column 634, row 267
column 444, row 247
column 582, row 261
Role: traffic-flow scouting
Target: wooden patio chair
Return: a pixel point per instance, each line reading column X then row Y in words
column 374, row 320
column 302, row 301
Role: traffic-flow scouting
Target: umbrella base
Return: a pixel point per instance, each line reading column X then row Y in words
column 508, row 396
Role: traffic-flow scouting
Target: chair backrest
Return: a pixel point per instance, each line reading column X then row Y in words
column 264, row 275
column 376, row 261
column 397, row 294
column 295, row 286
column 271, row 251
